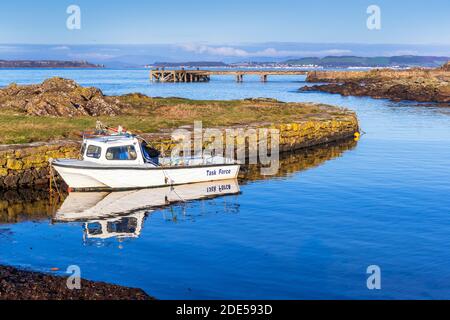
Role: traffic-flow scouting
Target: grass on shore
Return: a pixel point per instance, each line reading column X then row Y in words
column 153, row 114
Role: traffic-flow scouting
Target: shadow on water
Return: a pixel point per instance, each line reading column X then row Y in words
column 119, row 215
column 25, row 205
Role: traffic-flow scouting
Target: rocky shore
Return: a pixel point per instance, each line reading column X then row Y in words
column 422, row 85
column 16, row 284
column 58, row 97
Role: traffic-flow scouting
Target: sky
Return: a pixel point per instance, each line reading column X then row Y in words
column 233, row 28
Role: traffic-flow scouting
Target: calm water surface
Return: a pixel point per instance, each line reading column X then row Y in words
column 308, row 234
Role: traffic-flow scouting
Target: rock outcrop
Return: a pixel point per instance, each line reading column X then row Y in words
column 422, row 85
column 446, row 67
column 60, row 98
column 16, row 284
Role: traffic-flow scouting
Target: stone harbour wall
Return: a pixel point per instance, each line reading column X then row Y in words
column 376, row 74
column 28, row 165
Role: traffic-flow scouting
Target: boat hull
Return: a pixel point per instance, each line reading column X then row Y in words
column 119, row 178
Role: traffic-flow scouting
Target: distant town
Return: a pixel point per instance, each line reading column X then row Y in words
column 317, row 63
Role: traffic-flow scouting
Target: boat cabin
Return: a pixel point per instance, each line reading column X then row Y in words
column 118, row 150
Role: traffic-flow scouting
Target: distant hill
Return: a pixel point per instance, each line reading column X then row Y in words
column 353, row 61
column 190, row 64
column 47, row 64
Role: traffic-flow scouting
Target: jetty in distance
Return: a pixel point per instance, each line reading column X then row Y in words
column 182, row 75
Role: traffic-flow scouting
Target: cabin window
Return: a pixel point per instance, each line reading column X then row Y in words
column 93, row 151
column 121, row 153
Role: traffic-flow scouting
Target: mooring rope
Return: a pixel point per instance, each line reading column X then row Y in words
column 53, row 179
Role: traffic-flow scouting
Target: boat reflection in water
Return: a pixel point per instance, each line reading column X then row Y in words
column 122, row 214
column 34, row 204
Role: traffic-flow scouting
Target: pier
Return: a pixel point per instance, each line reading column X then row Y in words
column 161, row 75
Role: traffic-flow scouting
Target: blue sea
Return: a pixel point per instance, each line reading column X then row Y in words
column 310, row 234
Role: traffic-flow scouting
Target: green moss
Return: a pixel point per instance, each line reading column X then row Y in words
column 153, row 114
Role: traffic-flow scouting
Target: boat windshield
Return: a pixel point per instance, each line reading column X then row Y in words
column 121, row 153
column 93, row 151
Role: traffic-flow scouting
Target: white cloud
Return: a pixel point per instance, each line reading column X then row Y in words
column 109, row 49
column 91, row 55
column 271, row 52
column 268, row 52
column 219, row 51
column 335, row 52
column 60, row 48
column 4, row 48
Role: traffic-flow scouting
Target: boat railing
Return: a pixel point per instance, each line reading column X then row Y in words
column 101, row 134
column 194, row 161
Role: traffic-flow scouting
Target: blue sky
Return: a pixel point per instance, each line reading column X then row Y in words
column 240, row 29
column 178, row 21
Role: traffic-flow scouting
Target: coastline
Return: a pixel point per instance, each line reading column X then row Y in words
column 421, row 85
column 50, row 64
column 19, row 284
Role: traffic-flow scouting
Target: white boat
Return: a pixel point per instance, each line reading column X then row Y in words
column 121, row 214
column 125, row 162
